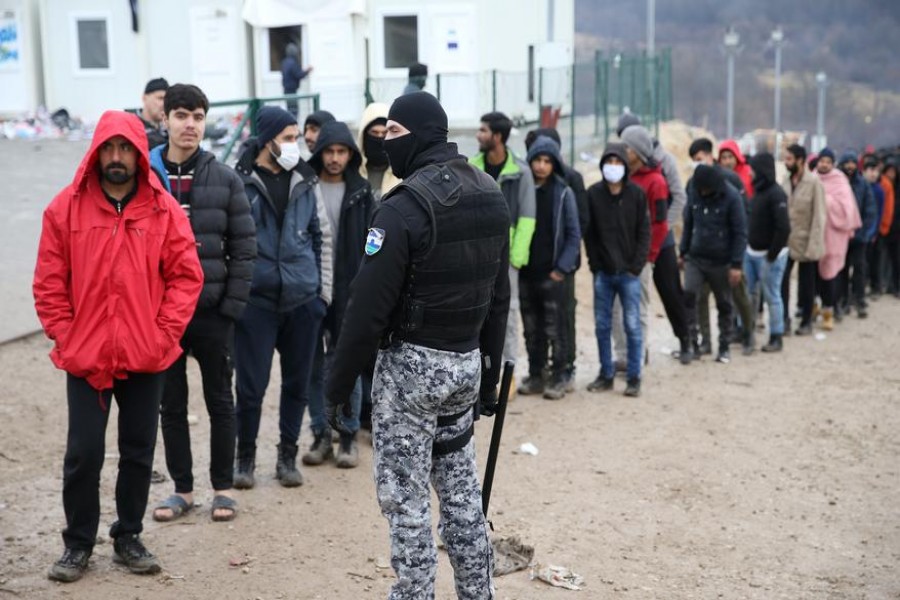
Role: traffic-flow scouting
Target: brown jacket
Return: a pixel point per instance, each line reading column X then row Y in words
column 808, row 213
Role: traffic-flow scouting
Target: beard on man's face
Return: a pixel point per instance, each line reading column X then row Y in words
column 117, row 173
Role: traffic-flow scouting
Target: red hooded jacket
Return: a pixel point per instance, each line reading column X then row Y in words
column 115, row 291
column 651, row 180
column 742, row 168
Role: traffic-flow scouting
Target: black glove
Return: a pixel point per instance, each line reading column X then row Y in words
column 336, row 413
column 488, row 402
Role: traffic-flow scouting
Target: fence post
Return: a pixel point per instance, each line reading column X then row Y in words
column 316, row 102
column 438, row 83
column 605, row 101
column 368, row 92
column 597, row 94
column 540, row 94
column 572, row 121
column 253, row 109
column 494, row 90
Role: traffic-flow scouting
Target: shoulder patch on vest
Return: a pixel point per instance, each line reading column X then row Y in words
column 374, row 240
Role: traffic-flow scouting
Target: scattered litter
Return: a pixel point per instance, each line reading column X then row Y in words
column 511, row 555
column 557, row 576
column 526, row 448
column 382, row 563
column 240, row 561
column 193, row 419
column 157, row 477
column 821, row 337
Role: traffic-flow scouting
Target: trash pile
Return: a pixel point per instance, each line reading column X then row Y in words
column 44, row 125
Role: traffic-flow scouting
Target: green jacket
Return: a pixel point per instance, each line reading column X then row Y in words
column 517, row 185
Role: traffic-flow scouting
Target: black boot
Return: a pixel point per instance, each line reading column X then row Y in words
column 244, row 466
column 687, row 352
column 775, row 344
column 286, row 470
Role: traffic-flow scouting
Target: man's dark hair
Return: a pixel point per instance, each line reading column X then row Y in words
column 187, row 96
column 497, row 122
column 700, row 145
column 797, row 151
column 870, row 163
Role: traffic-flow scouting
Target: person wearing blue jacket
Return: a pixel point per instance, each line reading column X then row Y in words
column 292, row 74
column 553, row 254
column 289, row 293
column 852, row 278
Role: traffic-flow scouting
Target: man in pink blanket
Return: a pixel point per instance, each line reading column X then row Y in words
column 843, row 220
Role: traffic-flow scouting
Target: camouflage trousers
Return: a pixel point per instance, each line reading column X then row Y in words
column 412, row 387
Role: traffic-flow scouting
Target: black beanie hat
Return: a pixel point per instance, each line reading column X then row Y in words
column 270, row 121
column 156, row 85
column 423, row 115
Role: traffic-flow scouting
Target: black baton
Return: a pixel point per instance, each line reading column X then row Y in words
column 494, row 451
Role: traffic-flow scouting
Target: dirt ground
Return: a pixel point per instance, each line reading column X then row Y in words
column 770, row 477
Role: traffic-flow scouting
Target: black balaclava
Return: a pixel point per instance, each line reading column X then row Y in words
column 373, row 147
column 423, row 116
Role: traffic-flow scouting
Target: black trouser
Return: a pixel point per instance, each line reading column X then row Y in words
column 138, row 400
column 874, row 260
column 786, row 293
column 892, row 249
column 571, row 304
column 851, row 283
column 828, row 291
column 542, row 304
column 208, row 338
column 696, row 273
column 667, row 280
column 807, row 275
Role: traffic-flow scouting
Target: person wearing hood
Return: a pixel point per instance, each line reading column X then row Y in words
column 841, row 224
column 731, row 158
column 311, row 126
column 290, row 292
column 213, row 197
column 370, row 139
column 617, row 241
column 576, row 182
column 712, row 248
column 514, row 178
column 644, row 172
column 807, row 212
column 348, row 202
column 767, row 234
column 884, row 199
column 701, row 152
column 116, row 283
column 552, row 256
column 853, row 275
column 292, row 74
column 153, row 113
column 431, row 299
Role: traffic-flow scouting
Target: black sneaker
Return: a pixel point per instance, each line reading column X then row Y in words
column 601, row 384
column 634, row 388
column 804, row 329
column 557, row 388
column 532, row 386
column 128, row 550
column 71, row 566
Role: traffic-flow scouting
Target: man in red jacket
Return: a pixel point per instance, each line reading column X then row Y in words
column 116, row 282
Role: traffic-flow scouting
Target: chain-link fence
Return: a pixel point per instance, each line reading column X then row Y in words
column 582, row 101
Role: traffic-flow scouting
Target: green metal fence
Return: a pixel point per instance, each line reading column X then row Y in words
column 583, row 101
column 303, row 104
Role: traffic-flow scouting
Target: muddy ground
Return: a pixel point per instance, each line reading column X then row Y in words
column 770, row 477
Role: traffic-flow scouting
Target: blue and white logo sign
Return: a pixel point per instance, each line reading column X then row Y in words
column 374, row 241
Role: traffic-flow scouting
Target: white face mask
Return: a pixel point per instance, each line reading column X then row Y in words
column 290, row 155
column 613, row 173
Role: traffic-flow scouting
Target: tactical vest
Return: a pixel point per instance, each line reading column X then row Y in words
column 449, row 288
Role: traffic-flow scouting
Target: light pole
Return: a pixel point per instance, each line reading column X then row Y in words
column 732, row 39
column 822, row 83
column 777, row 41
column 652, row 72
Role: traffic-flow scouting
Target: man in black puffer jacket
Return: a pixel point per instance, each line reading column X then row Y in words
column 348, row 201
column 213, row 197
column 769, row 227
column 712, row 248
